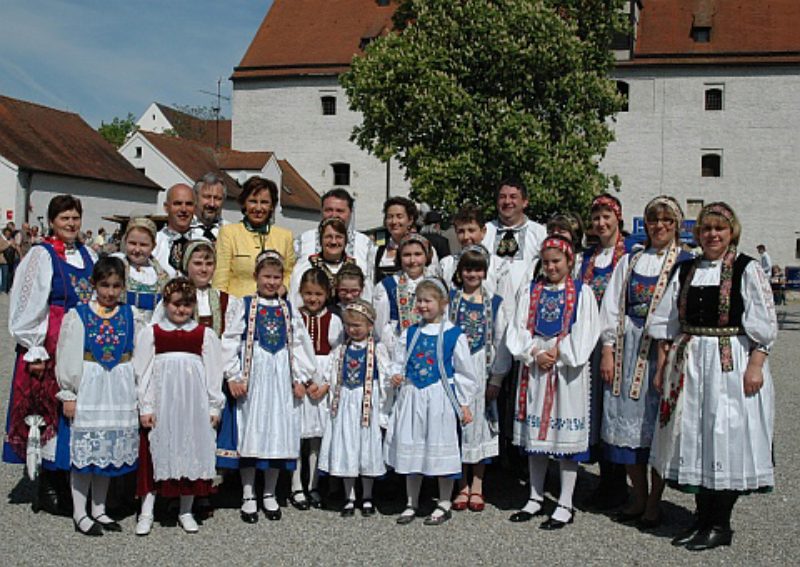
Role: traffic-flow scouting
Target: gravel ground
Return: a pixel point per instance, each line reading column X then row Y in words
column 766, row 530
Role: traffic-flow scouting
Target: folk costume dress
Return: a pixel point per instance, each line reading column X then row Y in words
column 143, row 285
column 422, row 435
column 359, row 376
column 94, row 368
column 330, row 269
column 394, row 307
column 180, row 379
column 325, row 330
column 359, row 247
column 484, row 325
column 552, row 410
column 50, row 280
column 596, row 269
column 276, row 353
column 386, row 266
column 449, row 264
column 710, row 435
column 630, row 404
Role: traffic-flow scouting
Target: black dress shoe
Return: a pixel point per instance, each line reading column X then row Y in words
column 273, row 515
column 685, row 536
column 316, row 499
column 349, row 510
column 92, row 530
column 523, row 516
column 46, row 499
column 301, row 505
column 405, row 518
column 367, row 508
column 551, row 523
column 710, row 538
column 248, row 517
column 439, row 519
column 107, row 524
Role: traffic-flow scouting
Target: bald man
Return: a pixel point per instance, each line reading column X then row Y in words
column 171, row 240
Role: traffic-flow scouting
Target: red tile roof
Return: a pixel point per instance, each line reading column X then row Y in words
column 312, row 37
column 232, row 159
column 742, row 31
column 197, row 129
column 296, row 192
column 43, row 139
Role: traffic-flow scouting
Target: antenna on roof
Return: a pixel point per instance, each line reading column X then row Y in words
column 218, row 107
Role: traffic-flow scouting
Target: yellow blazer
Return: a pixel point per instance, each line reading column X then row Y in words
column 237, row 249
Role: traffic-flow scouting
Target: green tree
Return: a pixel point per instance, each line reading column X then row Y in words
column 464, row 94
column 118, row 130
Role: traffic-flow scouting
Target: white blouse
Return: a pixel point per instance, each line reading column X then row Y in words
column 28, row 307
column 385, row 326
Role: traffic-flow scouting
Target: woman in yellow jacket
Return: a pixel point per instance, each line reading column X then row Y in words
column 238, row 244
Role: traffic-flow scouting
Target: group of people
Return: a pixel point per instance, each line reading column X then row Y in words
column 211, row 346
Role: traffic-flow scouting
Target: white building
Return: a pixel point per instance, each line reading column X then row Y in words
column 286, row 97
column 163, row 119
column 46, row 152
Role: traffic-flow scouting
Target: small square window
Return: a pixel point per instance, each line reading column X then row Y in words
column 623, row 90
column 701, row 34
column 138, row 151
column 341, row 173
column 328, row 105
column 711, row 165
column 714, row 98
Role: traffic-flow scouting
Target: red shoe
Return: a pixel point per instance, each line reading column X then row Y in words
column 476, row 502
column 461, row 505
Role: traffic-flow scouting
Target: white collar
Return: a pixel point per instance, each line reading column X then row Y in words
column 168, row 325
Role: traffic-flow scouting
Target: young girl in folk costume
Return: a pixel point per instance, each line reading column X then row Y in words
column 477, row 312
column 470, row 229
column 394, row 296
column 325, row 329
column 434, row 371
column 715, row 423
column 277, row 360
column 51, row 279
column 598, row 265
column 98, row 393
column 359, row 379
column 144, row 276
column 349, row 286
column 554, row 333
column 629, row 362
column 179, row 367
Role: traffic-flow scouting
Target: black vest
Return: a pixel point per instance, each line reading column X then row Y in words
column 702, row 303
column 383, row 271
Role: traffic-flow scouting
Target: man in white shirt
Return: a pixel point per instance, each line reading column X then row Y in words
column 766, row 261
column 209, row 197
column 339, row 203
column 172, row 240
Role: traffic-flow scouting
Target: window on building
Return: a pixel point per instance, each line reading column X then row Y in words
column 714, row 98
column 797, row 248
column 693, row 208
column 138, row 151
column 341, row 173
column 701, row 34
column 712, row 165
column 622, row 90
column 328, row 105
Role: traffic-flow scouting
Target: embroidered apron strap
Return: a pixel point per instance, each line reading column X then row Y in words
column 616, row 385
column 369, row 379
column 247, row 363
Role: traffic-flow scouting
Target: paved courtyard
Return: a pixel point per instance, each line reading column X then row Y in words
column 766, row 525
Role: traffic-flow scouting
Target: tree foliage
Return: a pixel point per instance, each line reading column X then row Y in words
column 464, row 94
column 118, row 131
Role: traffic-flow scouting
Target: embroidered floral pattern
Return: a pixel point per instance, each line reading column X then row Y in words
column 354, row 368
column 271, row 328
column 550, row 308
column 405, row 304
column 668, row 402
column 473, row 323
column 106, row 338
column 640, row 296
column 82, row 287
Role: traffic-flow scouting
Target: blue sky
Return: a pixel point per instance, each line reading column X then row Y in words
column 105, row 58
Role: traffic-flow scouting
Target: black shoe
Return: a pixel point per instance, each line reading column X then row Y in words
column 367, row 508
column 272, row 515
column 315, row 498
column 404, row 518
column 624, row 517
column 551, row 523
column 107, row 523
column 93, row 530
column 301, row 505
column 685, row 536
column 710, row 538
column 438, row 520
column 248, row 517
column 349, row 509
column 46, row 498
column 523, row 516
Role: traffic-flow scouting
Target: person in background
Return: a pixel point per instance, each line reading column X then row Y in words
column 778, row 283
column 172, row 240
column 765, row 260
column 209, row 197
column 432, row 230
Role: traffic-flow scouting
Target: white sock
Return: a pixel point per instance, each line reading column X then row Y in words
column 349, row 488
column 297, row 478
column 366, row 487
column 249, row 505
column 537, row 470
column 79, row 485
column 313, row 460
column 445, row 493
column 148, row 503
column 413, row 486
column 569, row 476
column 270, row 483
column 186, row 504
column 99, row 493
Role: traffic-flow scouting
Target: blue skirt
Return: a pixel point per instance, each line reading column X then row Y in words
column 63, row 461
column 582, row 457
column 626, row 455
column 264, row 464
column 110, row 471
column 227, row 435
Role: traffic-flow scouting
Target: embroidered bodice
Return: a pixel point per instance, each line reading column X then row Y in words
column 107, row 339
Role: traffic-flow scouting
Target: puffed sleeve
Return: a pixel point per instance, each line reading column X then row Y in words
column 224, row 251
column 69, row 356
column 466, row 378
column 398, row 350
column 575, row 349
column 304, row 361
column 144, row 353
column 502, row 357
column 664, row 324
column 383, row 328
column 28, row 308
column 518, row 337
column 294, row 282
column 336, row 331
column 609, row 309
column 232, row 339
column 759, row 319
column 212, row 363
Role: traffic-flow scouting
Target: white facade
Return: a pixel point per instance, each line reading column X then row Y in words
column 661, row 139
column 10, row 189
column 153, row 120
column 285, row 116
